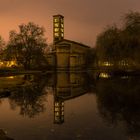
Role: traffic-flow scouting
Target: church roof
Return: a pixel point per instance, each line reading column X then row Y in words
column 73, row 42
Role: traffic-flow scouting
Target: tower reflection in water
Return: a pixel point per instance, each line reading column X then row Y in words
column 67, row 86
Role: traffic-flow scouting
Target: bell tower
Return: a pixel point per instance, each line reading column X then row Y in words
column 58, row 28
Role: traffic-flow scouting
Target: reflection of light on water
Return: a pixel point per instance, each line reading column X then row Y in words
column 10, row 77
column 16, row 76
column 104, row 75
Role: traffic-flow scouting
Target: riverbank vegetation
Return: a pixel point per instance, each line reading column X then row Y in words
column 119, row 48
column 25, row 48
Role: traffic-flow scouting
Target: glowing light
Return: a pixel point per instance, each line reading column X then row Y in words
column 1, row 63
column 62, row 34
column 56, row 34
column 11, row 63
column 62, row 25
column 123, row 63
column 107, row 63
column 8, row 63
column 11, row 77
column 104, row 75
column 56, row 25
column 56, row 29
column 56, row 19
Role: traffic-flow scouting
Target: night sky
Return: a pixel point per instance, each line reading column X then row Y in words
column 84, row 19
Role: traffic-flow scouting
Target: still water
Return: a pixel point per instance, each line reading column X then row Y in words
column 70, row 106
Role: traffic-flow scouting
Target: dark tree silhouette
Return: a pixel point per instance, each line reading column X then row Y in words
column 121, row 44
column 27, row 46
column 2, row 45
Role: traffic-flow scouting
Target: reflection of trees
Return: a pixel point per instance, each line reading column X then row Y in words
column 119, row 102
column 3, row 135
column 29, row 96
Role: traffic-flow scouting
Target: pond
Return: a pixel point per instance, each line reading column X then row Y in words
column 70, row 106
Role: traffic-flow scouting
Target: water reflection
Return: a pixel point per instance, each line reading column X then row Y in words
column 118, row 102
column 67, row 86
column 25, row 92
column 3, row 135
column 28, row 92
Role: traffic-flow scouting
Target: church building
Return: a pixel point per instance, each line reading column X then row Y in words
column 68, row 55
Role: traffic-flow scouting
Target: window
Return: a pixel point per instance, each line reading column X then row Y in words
column 62, row 34
column 56, row 29
column 56, row 25
column 62, row 25
column 56, row 34
column 56, row 20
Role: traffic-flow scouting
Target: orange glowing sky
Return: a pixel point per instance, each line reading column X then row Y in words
column 84, row 19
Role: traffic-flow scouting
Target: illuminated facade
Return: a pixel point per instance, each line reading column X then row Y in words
column 58, row 27
column 68, row 55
